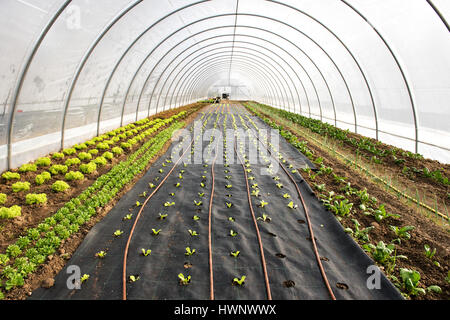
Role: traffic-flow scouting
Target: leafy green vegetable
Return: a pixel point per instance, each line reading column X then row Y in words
column 42, row 178
column 58, row 169
column 235, row 254
column 43, row 162
column 33, row 198
column 10, row 175
column 146, row 252
column 3, row 198
column 74, row 175
column 60, row 186
column 20, row 186
column 28, row 168
column 72, row 161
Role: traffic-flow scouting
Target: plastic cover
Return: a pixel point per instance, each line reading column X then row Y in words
column 73, row 69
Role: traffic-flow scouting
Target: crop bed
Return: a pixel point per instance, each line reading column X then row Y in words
column 226, row 227
column 393, row 229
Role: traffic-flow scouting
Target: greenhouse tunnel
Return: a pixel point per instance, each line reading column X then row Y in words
column 73, row 69
column 319, row 143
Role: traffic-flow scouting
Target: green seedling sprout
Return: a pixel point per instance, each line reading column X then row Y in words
column 184, row 280
column 286, row 195
column 263, row 203
column 193, row 233
column 235, row 254
column 134, row 278
column 229, row 205
column 84, row 278
column 198, row 203
column 156, row 232
column 196, row 218
column 291, row 205
column 128, row 217
column 231, row 219
column 146, row 252
column 118, row 233
column 201, row 194
column 240, row 281
column 233, row 233
column 162, row 216
column 189, row 251
column 100, row 254
column 264, row 218
column 169, row 204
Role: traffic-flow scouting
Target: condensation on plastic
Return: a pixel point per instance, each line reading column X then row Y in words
column 318, row 58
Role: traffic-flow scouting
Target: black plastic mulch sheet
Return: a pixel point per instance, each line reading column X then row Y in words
column 292, row 267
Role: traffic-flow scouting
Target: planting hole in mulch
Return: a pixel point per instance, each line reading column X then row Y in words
column 271, row 234
column 324, row 259
column 301, row 221
column 342, row 286
column 280, row 255
column 310, row 239
column 289, row 284
column 187, row 265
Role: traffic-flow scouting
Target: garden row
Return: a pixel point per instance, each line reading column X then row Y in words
column 34, row 247
column 410, row 166
column 366, row 219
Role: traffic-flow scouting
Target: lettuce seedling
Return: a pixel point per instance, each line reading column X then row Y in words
column 3, row 198
column 117, row 233
column 233, row 233
column 196, row 218
column 146, row 252
column 128, row 217
column 162, row 216
column 101, row 254
column 291, row 205
column 169, row 204
column 428, row 252
column 134, row 278
column 193, row 233
column 151, row 185
column 231, row 219
column 189, row 251
column 240, row 281
column 279, row 185
column 228, row 186
column 138, row 204
column 263, row 203
column 10, row 175
column 156, row 232
column 235, row 253
column 229, row 205
column 177, row 185
column 184, row 280
column 264, row 218
column 84, row 278
column 33, row 198
column 286, row 196
column 201, row 194
column 202, row 185
column 198, row 203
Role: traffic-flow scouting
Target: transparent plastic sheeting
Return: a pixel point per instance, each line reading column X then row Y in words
column 72, row 69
